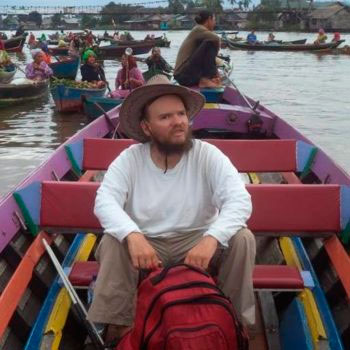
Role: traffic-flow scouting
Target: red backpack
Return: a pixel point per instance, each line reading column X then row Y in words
column 181, row 308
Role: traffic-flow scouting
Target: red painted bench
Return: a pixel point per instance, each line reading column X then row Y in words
column 272, row 277
column 246, row 155
column 312, row 210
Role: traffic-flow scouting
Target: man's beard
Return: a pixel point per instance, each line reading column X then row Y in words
column 168, row 148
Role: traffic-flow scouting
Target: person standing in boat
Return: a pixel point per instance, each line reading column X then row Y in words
column 38, row 69
column 166, row 200
column 251, row 38
column 91, row 71
column 336, row 37
column 128, row 78
column 157, row 65
column 321, row 37
column 195, row 62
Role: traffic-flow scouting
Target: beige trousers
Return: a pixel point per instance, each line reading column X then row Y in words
column 116, row 285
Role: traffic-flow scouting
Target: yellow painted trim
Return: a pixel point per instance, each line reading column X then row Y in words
column 211, row 106
column 62, row 305
column 313, row 316
column 254, row 178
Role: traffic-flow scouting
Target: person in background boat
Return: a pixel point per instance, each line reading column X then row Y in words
column 270, row 38
column 90, row 39
column 74, row 47
column 195, row 61
column 116, row 36
column 91, row 71
column 62, row 43
column 31, row 39
column 169, row 199
column 251, row 38
column 128, row 78
column 105, row 34
column 336, row 37
column 148, row 37
column 321, row 37
column 38, row 69
column 157, row 64
column 5, row 59
column 44, row 47
column 43, row 38
column 20, row 30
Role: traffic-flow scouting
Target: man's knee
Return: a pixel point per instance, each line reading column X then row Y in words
column 243, row 238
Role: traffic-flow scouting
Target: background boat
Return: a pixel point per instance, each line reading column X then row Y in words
column 22, row 92
column 115, row 51
column 92, row 105
column 284, row 47
column 69, row 99
column 58, row 51
column 66, row 69
column 15, row 44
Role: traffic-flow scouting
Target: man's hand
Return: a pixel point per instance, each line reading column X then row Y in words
column 201, row 254
column 143, row 255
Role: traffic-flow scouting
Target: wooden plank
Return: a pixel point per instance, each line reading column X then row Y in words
column 59, row 314
column 294, row 330
column 270, row 320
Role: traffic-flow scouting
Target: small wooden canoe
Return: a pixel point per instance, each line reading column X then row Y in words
column 66, row 69
column 92, row 105
column 259, row 46
column 58, row 51
column 21, row 93
column 7, row 74
column 15, row 44
column 69, row 99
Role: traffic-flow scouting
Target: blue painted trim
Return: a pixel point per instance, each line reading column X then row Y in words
column 212, row 95
column 75, row 152
column 344, row 206
column 308, row 280
column 35, row 338
column 303, row 151
column 294, row 329
column 333, row 336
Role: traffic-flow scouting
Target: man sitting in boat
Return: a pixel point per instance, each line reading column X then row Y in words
column 195, row 62
column 169, row 199
column 321, row 37
column 38, row 69
column 157, row 65
column 91, row 71
column 251, row 38
column 129, row 77
column 4, row 57
column 270, row 38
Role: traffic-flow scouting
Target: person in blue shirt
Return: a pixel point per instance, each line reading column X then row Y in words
column 251, row 38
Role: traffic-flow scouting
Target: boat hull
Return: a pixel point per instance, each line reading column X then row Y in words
column 68, row 99
column 13, row 94
column 66, row 69
column 58, row 51
column 92, row 111
column 114, row 51
column 284, row 47
column 15, row 44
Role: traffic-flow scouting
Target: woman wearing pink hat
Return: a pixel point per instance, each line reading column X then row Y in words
column 321, row 37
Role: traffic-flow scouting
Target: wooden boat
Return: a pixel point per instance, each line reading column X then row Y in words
column 58, row 51
column 115, row 51
column 7, row 74
column 21, row 93
column 302, row 220
column 69, row 99
column 15, row 44
column 94, row 106
column 66, row 69
column 284, row 47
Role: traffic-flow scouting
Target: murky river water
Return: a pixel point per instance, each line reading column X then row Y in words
column 310, row 91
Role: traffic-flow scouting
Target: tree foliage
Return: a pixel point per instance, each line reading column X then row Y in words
column 35, row 17
column 116, row 13
column 88, row 21
column 56, row 19
column 176, row 7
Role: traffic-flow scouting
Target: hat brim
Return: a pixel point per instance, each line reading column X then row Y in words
column 132, row 109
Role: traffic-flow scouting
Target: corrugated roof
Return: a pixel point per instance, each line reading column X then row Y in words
column 326, row 12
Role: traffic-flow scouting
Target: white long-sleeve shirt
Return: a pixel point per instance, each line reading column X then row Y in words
column 202, row 192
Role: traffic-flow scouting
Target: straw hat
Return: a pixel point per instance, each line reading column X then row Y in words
column 132, row 109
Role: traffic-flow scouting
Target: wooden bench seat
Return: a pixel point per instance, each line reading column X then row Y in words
column 272, row 277
column 246, row 155
column 289, row 209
